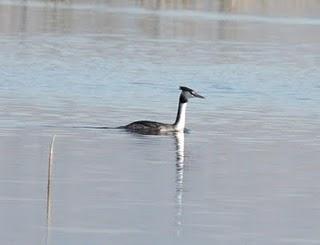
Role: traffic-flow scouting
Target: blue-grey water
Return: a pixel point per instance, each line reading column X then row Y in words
column 247, row 172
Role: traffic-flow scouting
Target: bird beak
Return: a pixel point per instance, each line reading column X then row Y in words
column 198, row 95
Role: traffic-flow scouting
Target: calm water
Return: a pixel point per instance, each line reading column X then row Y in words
column 246, row 173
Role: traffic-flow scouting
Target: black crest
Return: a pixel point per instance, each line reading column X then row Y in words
column 186, row 89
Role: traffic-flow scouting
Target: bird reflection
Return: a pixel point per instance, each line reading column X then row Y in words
column 179, row 140
column 179, row 179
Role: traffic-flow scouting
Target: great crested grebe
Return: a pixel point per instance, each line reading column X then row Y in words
column 177, row 126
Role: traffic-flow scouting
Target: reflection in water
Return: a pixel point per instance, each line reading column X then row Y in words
column 234, row 6
column 179, row 180
column 179, row 140
column 179, row 137
column 157, row 18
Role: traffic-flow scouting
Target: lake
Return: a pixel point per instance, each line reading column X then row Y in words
column 246, row 172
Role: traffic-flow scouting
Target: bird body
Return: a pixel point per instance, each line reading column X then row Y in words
column 158, row 127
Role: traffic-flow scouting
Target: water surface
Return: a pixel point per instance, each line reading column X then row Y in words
column 245, row 173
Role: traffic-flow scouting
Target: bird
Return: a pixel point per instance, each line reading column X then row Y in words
column 153, row 127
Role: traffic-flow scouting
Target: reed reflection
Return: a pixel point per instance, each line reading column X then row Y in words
column 233, row 6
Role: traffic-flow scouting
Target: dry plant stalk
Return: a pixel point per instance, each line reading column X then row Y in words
column 50, row 162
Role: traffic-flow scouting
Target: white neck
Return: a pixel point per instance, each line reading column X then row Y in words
column 181, row 117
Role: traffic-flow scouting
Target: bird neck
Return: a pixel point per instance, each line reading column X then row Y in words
column 180, row 122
